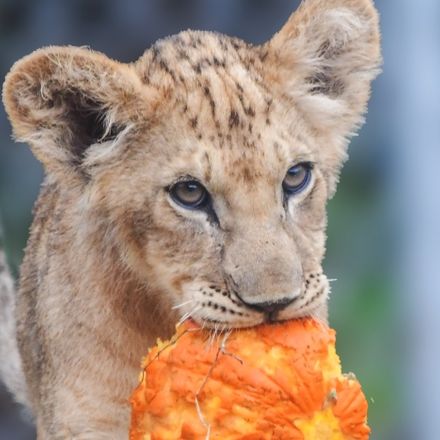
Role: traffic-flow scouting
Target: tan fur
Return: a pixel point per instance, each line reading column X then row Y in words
column 112, row 262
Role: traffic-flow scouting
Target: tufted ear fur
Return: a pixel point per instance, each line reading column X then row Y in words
column 324, row 59
column 62, row 100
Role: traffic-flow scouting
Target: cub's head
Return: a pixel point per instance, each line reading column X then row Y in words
column 208, row 163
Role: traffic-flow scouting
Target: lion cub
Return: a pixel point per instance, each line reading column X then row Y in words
column 191, row 183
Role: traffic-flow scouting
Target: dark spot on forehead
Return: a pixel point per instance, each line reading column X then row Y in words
column 194, row 42
column 218, row 63
column 197, row 68
column 247, row 174
column 208, row 94
column 155, row 50
column 263, row 55
column 237, row 44
column 182, row 54
column 234, row 119
column 250, row 111
column 193, row 122
column 208, row 168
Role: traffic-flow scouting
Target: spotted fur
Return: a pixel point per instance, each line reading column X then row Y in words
column 112, row 262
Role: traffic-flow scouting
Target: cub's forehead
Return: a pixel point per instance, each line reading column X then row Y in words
column 223, row 112
column 191, row 56
column 209, row 76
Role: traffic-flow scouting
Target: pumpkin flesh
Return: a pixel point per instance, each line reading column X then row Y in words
column 279, row 381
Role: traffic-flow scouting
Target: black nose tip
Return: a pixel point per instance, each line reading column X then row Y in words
column 271, row 306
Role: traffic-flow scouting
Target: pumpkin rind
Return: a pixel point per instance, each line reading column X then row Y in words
column 280, row 381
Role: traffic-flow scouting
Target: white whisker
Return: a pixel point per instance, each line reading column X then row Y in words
column 203, row 324
column 184, row 318
column 213, row 335
column 225, row 338
column 178, row 306
column 332, row 280
column 188, row 315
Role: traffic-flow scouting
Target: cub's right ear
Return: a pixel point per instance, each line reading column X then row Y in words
column 62, row 100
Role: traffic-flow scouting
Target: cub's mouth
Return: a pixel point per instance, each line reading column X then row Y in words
column 220, row 307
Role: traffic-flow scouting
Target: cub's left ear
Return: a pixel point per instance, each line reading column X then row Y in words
column 324, row 59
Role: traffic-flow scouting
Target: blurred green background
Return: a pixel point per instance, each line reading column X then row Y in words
column 374, row 247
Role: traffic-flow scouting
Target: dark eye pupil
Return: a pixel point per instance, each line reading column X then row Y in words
column 190, row 194
column 297, row 178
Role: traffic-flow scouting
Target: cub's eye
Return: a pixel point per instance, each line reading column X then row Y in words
column 189, row 194
column 297, row 178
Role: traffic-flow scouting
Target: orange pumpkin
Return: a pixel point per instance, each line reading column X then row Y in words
column 280, row 381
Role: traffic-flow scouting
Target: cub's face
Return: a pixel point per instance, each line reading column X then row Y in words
column 215, row 159
column 225, row 198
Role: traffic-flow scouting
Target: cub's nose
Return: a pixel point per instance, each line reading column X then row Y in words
column 270, row 307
